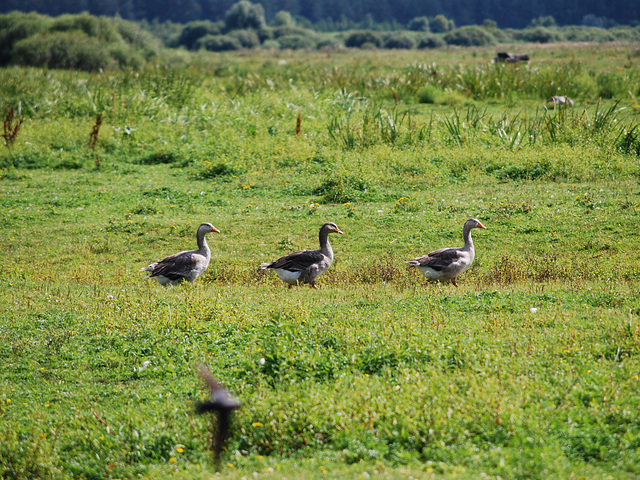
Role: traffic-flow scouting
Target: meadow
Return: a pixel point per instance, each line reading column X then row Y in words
column 529, row 370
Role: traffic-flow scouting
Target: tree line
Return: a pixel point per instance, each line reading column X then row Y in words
column 340, row 15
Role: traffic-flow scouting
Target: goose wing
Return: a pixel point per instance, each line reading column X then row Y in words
column 438, row 260
column 176, row 266
column 298, row 261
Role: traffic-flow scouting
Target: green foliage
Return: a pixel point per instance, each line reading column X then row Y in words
column 469, row 36
column 441, row 24
column 399, row 41
column 219, row 43
column 194, row 31
column 296, row 42
column 431, row 41
column 419, row 24
column 81, row 42
column 508, row 374
column 247, row 38
column 244, row 14
column 360, row 38
column 539, row 35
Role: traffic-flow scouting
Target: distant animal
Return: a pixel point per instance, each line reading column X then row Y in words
column 560, row 101
column 222, row 403
column 187, row 265
column 447, row 264
column 306, row 266
column 511, row 57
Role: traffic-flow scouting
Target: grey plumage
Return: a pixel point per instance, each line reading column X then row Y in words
column 187, row 265
column 306, row 266
column 447, row 264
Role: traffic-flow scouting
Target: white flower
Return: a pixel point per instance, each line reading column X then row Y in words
column 533, row 310
column 261, row 361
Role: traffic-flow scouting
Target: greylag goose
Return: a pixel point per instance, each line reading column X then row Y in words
column 447, row 264
column 306, row 265
column 187, row 265
column 223, row 404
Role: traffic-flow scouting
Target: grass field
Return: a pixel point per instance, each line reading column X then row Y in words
column 529, row 370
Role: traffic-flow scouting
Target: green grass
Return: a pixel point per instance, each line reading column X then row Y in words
column 377, row 374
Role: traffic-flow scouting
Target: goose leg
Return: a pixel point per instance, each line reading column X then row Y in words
column 454, row 282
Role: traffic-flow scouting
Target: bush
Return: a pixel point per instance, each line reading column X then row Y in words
column 271, row 45
column 399, row 41
column 543, row 21
column 587, row 34
column 248, row 38
column 194, row 31
column 244, row 14
column 296, row 42
column 538, row 35
column 282, row 31
column 470, row 36
column 219, row 43
column 441, row 24
column 431, row 41
column 283, row 19
column 97, row 27
column 419, row 24
column 17, row 26
column 427, row 94
column 72, row 50
column 359, row 38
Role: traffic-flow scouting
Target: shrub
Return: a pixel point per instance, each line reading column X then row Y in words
column 248, row 38
column 194, row 31
column 399, row 41
column 72, row 50
column 219, row 43
column 290, row 30
column 296, row 42
column 342, row 188
column 271, row 45
column 419, row 24
column 359, row 38
column 543, row 21
column 17, row 26
column 469, row 36
column 587, row 34
column 427, row 94
column 431, row 41
column 244, row 14
column 441, row 24
column 283, row 19
column 538, row 35
column 96, row 27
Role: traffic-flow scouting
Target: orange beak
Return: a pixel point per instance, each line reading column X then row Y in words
column 340, row 232
column 481, row 226
column 214, row 229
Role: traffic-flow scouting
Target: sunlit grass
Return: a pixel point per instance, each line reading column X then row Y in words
column 528, row 370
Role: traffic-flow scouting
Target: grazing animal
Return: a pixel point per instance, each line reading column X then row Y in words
column 222, row 404
column 511, row 57
column 561, row 101
column 187, row 265
column 306, row 265
column 447, row 264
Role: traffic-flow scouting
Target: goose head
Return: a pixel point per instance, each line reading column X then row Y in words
column 331, row 227
column 474, row 223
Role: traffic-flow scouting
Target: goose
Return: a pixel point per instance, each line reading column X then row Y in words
column 561, row 101
column 187, row 265
column 306, row 265
column 447, row 264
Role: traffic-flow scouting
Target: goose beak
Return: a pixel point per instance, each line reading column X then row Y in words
column 339, row 231
column 481, row 226
column 214, row 229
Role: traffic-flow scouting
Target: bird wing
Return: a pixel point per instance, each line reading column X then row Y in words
column 176, row 266
column 298, row 261
column 439, row 259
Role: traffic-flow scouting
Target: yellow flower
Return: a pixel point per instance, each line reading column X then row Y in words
column 257, row 424
column 179, row 449
column 172, row 459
